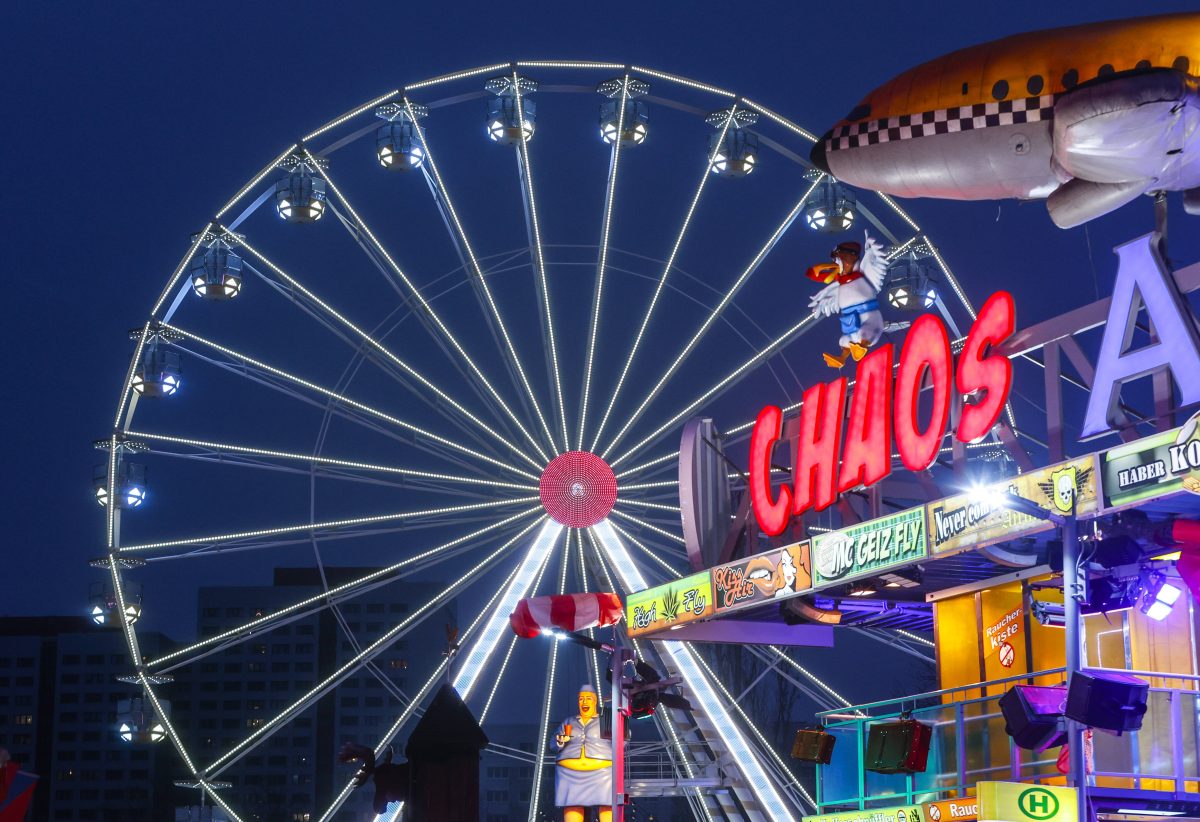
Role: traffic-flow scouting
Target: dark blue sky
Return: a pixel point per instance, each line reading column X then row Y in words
column 126, row 124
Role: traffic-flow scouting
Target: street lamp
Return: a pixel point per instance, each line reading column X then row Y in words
column 1074, row 593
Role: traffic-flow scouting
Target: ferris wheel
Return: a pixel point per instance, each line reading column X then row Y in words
column 458, row 329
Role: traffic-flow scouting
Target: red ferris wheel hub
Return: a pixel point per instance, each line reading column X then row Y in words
column 578, row 489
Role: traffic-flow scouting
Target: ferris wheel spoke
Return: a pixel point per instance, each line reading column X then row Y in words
column 687, row 221
column 427, row 311
column 724, row 384
column 641, row 503
column 334, row 408
column 321, row 526
column 658, row 464
column 367, row 340
column 583, row 582
column 666, row 566
column 714, row 314
column 438, row 675
column 483, row 291
column 643, row 523
column 341, row 398
column 551, row 670
column 347, row 590
column 223, row 450
column 610, row 197
column 640, row 486
column 517, row 589
column 533, row 224
column 328, row 683
column 533, row 589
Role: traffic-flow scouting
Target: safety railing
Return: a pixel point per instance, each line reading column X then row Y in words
column 969, row 744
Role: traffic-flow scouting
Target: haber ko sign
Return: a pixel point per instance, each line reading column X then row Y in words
column 835, row 451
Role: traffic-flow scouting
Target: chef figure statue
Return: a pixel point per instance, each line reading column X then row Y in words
column 583, row 777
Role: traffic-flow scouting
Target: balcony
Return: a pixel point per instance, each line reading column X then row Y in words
column 1153, row 767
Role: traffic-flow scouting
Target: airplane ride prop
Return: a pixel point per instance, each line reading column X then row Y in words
column 1087, row 117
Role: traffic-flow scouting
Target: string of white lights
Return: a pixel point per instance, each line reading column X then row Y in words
column 415, row 703
column 351, row 114
column 340, row 591
column 367, row 653
column 370, row 340
column 658, row 505
column 551, row 670
column 666, row 566
column 526, row 164
column 914, row 637
column 641, row 486
column 256, row 179
column 683, row 81
column 511, row 645
column 688, row 664
column 342, row 398
column 662, row 281
column 780, row 119
column 763, row 743
column 429, row 311
column 780, row 341
column 230, row 448
column 645, row 466
column 568, row 64
column 809, row 674
column 430, row 167
column 715, row 314
column 583, row 581
column 321, row 526
column 516, row 590
column 610, row 196
column 457, row 75
column 649, row 527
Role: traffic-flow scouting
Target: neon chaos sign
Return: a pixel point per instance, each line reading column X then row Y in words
column 835, row 451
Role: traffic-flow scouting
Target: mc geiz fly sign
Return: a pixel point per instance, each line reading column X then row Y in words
column 885, row 406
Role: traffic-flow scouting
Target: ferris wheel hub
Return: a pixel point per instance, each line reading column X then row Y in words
column 578, row 489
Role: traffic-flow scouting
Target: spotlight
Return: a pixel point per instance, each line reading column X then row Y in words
column 862, row 589
column 1159, row 598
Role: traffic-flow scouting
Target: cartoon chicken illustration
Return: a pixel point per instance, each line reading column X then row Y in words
column 852, row 285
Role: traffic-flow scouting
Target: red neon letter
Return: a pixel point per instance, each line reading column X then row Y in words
column 979, row 370
column 815, row 460
column 867, row 447
column 926, row 349
column 772, row 515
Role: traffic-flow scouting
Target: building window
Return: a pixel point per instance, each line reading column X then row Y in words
column 24, row 719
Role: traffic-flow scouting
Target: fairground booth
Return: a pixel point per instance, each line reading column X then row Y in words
column 1049, row 566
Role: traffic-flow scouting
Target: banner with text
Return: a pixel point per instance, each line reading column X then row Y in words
column 776, row 574
column 665, row 606
column 965, row 521
column 869, row 547
column 1153, row 466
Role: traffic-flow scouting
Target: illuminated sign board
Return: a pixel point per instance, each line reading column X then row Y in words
column 665, row 606
column 965, row 521
column 896, row 813
column 869, row 547
column 952, row 810
column 828, row 460
column 1153, row 466
column 1020, row 802
column 776, row 574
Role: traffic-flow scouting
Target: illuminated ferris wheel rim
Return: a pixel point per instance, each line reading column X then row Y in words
column 606, row 536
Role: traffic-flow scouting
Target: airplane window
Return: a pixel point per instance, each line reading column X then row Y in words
column 964, row 88
column 1035, row 84
column 1071, row 78
column 1000, row 89
column 1105, row 70
column 1180, row 64
column 859, row 112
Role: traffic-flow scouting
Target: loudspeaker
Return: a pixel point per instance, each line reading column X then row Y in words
column 813, row 745
column 898, row 747
column 1112, row 702
column 1032, row 714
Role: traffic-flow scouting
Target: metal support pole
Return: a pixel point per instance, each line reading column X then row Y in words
column 618, row 657
column 1073, row 593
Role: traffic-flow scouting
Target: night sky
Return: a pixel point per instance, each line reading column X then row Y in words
column 128, row 125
